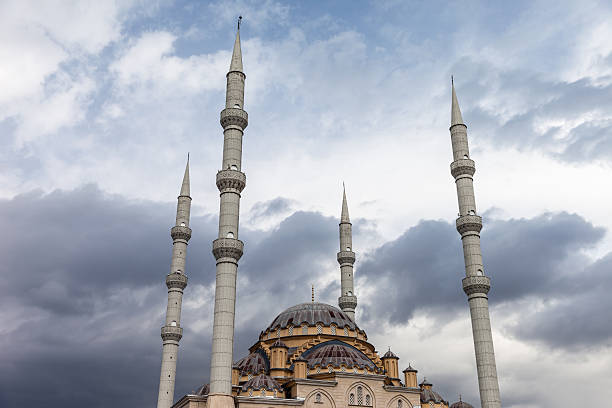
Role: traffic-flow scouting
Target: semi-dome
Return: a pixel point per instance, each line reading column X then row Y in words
column 255, row 363
column 311, row 314
column 429, row 395
column 337, row 353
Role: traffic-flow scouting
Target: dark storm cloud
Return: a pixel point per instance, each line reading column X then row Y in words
column 532, row 100
column 538, row 258
column 83, row 294
column 265, row 209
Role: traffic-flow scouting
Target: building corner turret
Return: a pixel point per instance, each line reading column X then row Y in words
column 176, row 281
column 346, row 258
column 476, row 284
column 227, row 248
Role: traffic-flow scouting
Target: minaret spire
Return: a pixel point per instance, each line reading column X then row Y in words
column 227, row 248
column 346, row 258
column 176, row 281
column 476, row 284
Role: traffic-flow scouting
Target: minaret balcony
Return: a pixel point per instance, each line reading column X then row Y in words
column 463, row 167
column 180, row 232
column 346, row 257
column 234, row 116
column 476, row 284
column 172, row 333
column 469, row 224
column 227, row 248
column 231, row 181
column 176, row 280
column 347, row 302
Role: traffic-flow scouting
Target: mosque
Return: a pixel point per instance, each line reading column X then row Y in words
column 312, row 355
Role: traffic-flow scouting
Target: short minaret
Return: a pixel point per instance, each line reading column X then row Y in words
column 346, row 258
column 475, row 285
column 227, row 248
column 176, row 281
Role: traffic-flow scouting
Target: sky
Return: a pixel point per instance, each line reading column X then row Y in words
column 100, row 102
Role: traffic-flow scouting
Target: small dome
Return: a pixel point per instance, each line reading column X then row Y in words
column 428, row 395
column 262, row 381
column 255, row 363
column 461, row 404
column 311, row 314
column 203, row 390
column 390, row 354
column 337, row 353
column 409, row 369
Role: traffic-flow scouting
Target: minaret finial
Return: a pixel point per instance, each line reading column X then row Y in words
column 239, row 21
column 313, row 293
column 456, row 118
column 236, row 64
column 185, row 189
column 344, row 215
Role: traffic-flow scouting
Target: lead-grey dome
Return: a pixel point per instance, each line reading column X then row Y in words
column 311, row 314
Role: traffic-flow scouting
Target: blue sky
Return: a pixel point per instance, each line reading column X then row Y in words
column 101, row 101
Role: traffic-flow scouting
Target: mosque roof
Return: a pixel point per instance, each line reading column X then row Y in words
column 461, row 404
column 255, row 363
column 262, row 381
column 311, row 314
column 337, row 353
column 428, row 395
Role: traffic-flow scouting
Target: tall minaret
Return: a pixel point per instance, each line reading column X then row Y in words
column 346, row 258
column 475, row 285
column 176, row 281
column 227, row 248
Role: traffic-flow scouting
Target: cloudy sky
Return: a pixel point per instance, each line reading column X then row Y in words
column 101, row 101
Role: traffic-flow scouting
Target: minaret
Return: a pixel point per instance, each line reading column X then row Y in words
column 346, row 258
column 475, row 285
column 176, row 281
column 227, row 248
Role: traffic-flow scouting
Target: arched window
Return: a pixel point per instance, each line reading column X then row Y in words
column 345, row 330
column 367, row 400
column 330, row 369
column 333, row 330
column 399, row 403
column 263, row 392
column 173, row 323
column 319, row 329
column 250, row 376
column 359, row 395
column 431, row 404
column 234, row 167
column 318, row 398
column 250, row 392
column 278, row 332
column 304, row 329
column 230, row 234
column 351, row 399
column 290, row 328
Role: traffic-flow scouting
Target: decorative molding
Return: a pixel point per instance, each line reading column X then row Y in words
column 234, row 116
column 346, row 257
column 180, row 232
column 476, row 284
column 347, row 302
column 227, row 248
column 462, row 167
column 231, row 180
column 176, row 280
column 171, row 333
column 469, row 223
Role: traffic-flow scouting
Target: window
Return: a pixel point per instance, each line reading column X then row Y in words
column 345, row 331
column 479, row 272
column 348, row 248
column 359, row 395
column 275, row 394
column 367, row 400
column 182, row 224
column 399, row 403
column 290, row 328
column 236, row 106
column 319, row 329
column 230, row 234
column 351, row 399
column 318, row 398
column 318, row 369
column 333, row 330
column 263, row 392
column 234, row 167
column 173, row 323
column 250, row 377
column 250, row 392
column 431, row 404
column 278, row 332
column 304, row 329
column 465, row 156
column 330, row 369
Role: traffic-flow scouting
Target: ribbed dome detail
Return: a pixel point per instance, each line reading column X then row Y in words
column 262, row 381
column 311, row 314
column 337, row 353
column 255, row 363
column 461, row 404
column 431, row 395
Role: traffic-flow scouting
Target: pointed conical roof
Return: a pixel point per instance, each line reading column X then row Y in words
column 185, row 191
column 236, row 64
column 344, row 217
column 456, row 118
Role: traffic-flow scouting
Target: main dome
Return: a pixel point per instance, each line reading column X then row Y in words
column 311, row 314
